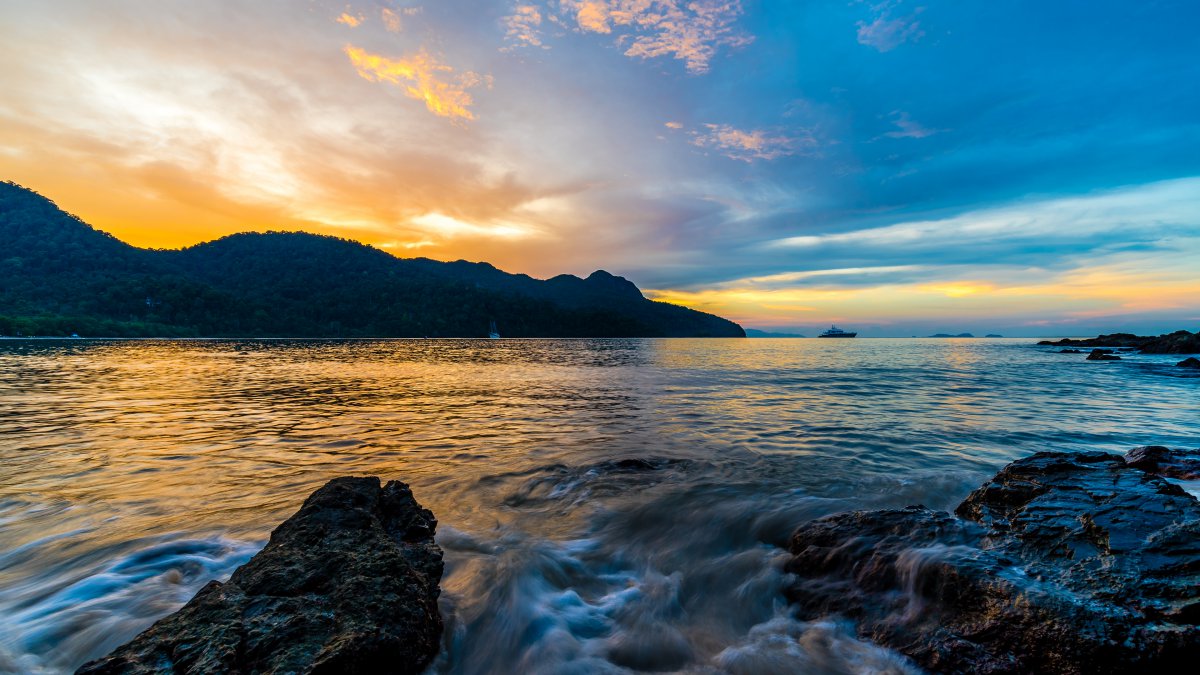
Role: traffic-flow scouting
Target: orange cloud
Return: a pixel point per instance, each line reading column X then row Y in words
column 1089, row 292
column 422, row 77
column 391, row 20
column 350, row 20
column 688, row 30
column 521, row 26
column 750, row 145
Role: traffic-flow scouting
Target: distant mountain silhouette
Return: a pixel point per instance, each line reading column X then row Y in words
column 59, row 276
column 756, row 333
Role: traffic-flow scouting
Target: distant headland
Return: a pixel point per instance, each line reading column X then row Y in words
column 59, row 276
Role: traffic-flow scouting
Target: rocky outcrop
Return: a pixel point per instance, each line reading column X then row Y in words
column 349, row 584
column 1102, row 355
column 1163, row 461
column 1179, row 342
column 1062, row 563
column 1191, row 362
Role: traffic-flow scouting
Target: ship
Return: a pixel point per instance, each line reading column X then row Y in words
column 835, row 332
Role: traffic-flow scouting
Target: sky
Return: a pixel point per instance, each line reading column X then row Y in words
column 897, row 167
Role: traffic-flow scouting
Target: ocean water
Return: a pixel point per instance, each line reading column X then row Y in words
column 604, row 505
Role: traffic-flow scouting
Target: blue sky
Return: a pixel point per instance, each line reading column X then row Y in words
column 902, row 167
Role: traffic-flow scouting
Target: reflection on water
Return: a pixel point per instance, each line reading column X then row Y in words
column 133, row 472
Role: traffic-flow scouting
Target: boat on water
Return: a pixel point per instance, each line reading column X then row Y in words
column 493, row 334
column 835, row 332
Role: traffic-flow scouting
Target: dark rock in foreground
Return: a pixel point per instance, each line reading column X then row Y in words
column 1179, row 342
column 1102, row 355
column 349, row 584
column 1062, row 563
column 1191, row 362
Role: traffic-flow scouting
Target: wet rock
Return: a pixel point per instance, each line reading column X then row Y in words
column 1190, row 362
column 1070, row 351
column 1163, row 461
column 1102, row 355
column 1062, row 563
column 349, row 584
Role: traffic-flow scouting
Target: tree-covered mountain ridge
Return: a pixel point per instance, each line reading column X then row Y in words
column 59, row 276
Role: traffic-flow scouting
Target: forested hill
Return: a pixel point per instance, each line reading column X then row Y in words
column 60, row 276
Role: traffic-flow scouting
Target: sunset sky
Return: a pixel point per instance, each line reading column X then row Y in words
column 900, row 167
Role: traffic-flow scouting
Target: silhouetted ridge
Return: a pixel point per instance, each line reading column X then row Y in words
column 58, row 276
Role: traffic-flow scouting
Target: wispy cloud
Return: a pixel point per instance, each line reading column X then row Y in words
column 422, row 77
column 687, row 30
column 886, row 30
column 1147, row 217
column 521, row 27
column 350, row 20
column 749, row 145
column 391, row 20
column 906, row 127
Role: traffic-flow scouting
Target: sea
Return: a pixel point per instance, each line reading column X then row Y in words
column 605, row 506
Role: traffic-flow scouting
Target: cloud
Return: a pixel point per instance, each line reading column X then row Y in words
column 442, row 226
column 907, row 128
column 1145, row 215
column 391, row 20
column 350, row 20
column 521, row 27
column 885, row 32
column 674, row 125
column 422, row 77
column 751, row 145
column 687, row 30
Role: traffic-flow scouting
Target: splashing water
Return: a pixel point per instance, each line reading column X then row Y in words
column 604, row 505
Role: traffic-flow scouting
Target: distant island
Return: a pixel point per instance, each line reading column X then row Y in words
column 947, row 335
column 756, row 333
column 59, row 276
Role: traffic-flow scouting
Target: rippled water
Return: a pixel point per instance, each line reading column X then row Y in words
column 133, row 472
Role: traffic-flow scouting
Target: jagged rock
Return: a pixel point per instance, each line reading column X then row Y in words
column 1102, row 355
column 1062, row 563
column 1179, row 342
column 1163, row 461
column 1190, row 362
column 1070, row 351
column 349, row 584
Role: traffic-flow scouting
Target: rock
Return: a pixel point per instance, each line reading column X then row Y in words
column 1162, row 461
column 1102, row 355
column 1191, row 362
column 1179, row 342
column 1062, row 563
column 1070, row 351
column 349, row 584
column 1112, row 340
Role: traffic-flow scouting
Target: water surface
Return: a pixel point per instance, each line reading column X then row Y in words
column 132, row 472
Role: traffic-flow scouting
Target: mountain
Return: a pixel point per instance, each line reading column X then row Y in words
column 58, row 276
column 756, row 333
column 947, row 335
